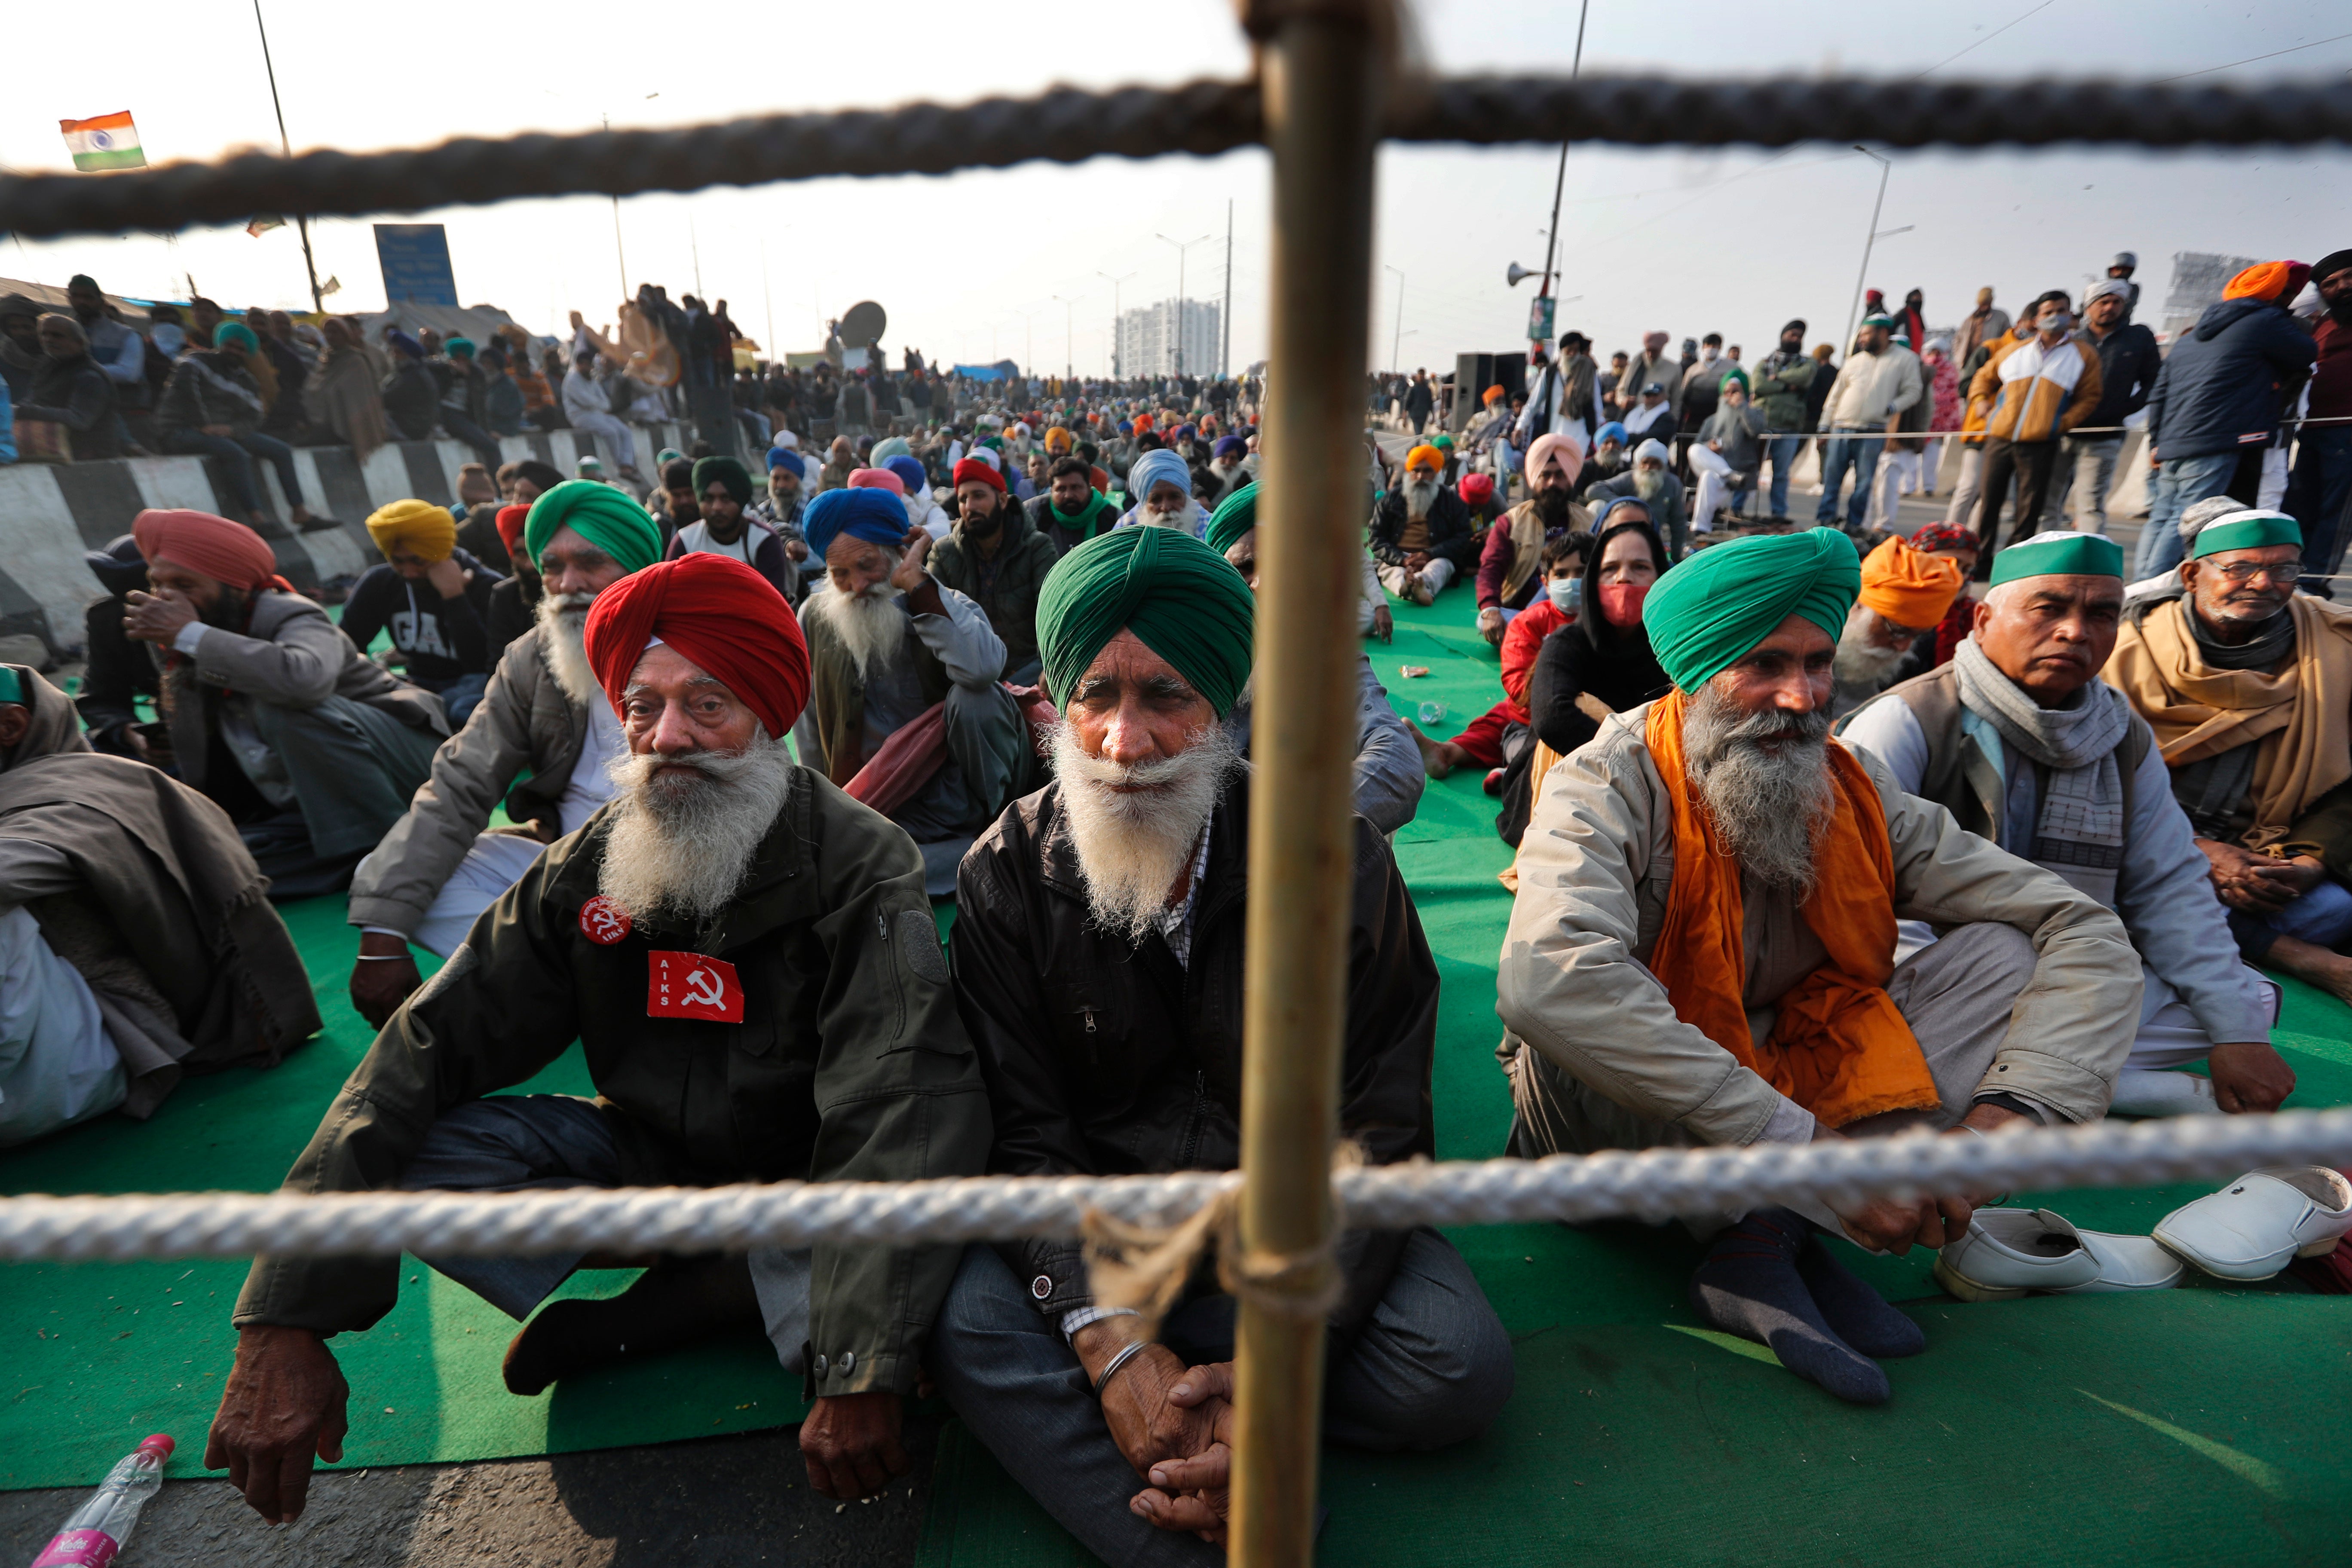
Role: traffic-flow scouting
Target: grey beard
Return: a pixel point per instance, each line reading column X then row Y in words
column 1862, row 662
column 1420, row 494
column 1133, row 847
column 681, row 846
column 871, row 627
column 1649, row 483
column 563, row 644
column 1769, row 807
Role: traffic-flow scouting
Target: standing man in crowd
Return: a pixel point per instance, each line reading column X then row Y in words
column 2128, row 362
column 1782, row 383
column 1878, row 381
column 2032, row 391
column 1653, row 365
column 2319, row 491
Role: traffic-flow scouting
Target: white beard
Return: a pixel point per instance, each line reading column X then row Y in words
column 1419, row 492
column 682, row 844
column 563, row 644
column 1769, row 807
column 1133, row 847
column 871, row 626
column 1859, row 660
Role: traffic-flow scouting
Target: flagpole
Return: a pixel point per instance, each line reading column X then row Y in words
column 301, row 223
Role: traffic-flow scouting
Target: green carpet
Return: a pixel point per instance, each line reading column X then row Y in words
column 2202, row 1423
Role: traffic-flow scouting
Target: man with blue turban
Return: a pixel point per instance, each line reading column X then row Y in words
column 906, row 710
column 1100, row 929
column 1703, row 951
column 1160, row 493
column 779, row 511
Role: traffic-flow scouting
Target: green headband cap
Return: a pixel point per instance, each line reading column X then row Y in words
column 2245, row 531
column 1704, row 615
column 12, row 687
column 1235, row 515
column 2060, row 553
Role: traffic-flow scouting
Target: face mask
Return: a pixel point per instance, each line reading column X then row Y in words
column 170, row 338
column 1567, row 593
column 1621, row 603
column 2057, row 323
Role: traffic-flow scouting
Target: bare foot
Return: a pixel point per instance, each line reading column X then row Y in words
column 2311, row 964
column 1439, row 758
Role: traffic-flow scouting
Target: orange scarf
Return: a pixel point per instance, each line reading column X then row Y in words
column 1837, row 1046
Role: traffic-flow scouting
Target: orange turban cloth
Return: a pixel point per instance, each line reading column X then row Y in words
column 209, row 546
column 1057, row 439
column 1425, row 457
column 1493, row 395
column 2275, row 281
column 1909, row 587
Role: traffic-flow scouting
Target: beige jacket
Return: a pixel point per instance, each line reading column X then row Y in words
column 1594, row 872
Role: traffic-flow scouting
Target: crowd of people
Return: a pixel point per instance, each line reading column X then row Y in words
column 1818, row 837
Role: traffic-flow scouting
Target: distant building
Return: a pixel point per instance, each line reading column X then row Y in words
column 2197, row 280
column 1147, row 340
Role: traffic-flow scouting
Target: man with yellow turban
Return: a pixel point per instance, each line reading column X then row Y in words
column 433, row 597
column 1099, row 966
column 1703, row 951
column 1905, row 592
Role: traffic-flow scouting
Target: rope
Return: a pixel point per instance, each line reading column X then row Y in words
column 1067, row 125
column 1654, row 1184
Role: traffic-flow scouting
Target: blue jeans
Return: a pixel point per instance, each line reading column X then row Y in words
column 1782, row 450
column 461, row 697
column 2319, row 494
column 2180, row 483
column 236, row 454
column 2321, row 917
column 1863, row 457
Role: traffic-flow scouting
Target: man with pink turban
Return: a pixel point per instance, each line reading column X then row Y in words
column 1508, row 578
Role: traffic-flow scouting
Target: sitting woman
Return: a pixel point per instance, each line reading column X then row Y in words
column 1600, row 666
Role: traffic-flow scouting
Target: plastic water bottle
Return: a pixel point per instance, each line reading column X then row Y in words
column 97, row 1529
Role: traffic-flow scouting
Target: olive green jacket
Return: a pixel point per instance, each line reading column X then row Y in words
column 851, row 1065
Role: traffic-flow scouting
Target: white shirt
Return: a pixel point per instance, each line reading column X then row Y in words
column 590, row 785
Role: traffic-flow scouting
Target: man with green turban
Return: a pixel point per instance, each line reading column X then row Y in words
column 1100, row 929
column 2023, row 742
column 1702, row 951
column 722, row 495
column 537, row 742
column 1389, row 776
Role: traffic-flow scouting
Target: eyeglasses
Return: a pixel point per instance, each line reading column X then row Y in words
column 2278, row 575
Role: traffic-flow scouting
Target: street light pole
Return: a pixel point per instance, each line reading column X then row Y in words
column 1560, row 180
column 301, row 223
column 1396, row 343
column 1115, row 372
column 1181, row 247
column 1069, row 335
column 1845, row 344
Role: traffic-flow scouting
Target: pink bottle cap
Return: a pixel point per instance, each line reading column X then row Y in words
column 162, row 1443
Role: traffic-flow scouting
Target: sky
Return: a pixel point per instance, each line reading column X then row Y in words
column 1019, row 263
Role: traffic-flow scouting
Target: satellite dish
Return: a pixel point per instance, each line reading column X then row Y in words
column 1514, row 274
column 862, row 327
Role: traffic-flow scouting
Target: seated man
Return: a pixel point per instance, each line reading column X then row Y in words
column 1389, row 776
column 1493, row 738
column 723, row 525
column 541, row 741
column 2246, row 684
column 1608, row 460
column 1935, row 647
column 887, row 644
column 1728, row 454
column 1510, row 579
column 2024, row 744
column 998, row 560
column 119, row 672
column 135, row 944
column 1421, row 531
column 310, row 747
column 1159, row 491
column 1702, row 952
column 862, row 1071
column 442, row 633
column 1649, row 482
column 1072, row 511
column 1110, row 906
column 1904, row 592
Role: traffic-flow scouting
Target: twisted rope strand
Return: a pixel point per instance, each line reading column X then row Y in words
column 1067, row 125
column 1653, row 1184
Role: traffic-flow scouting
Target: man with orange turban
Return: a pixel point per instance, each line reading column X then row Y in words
column 747, row 956
column 1421, row 530
column 2222, row 393
column 433, row 597
column 310, row 747
column 1905, row 592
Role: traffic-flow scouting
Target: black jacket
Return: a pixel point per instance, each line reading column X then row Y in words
column 443, row 638
column 120, row 672
column 1108, row 1058
column 1449, row 528
column 514, row 609
column 2227, row 381
column 412, row 400
column 2128, row 362
column 75, row 393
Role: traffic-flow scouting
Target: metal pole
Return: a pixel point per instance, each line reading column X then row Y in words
column 1560, row 180
column 694, row 244
column 1114, row 283
column 1845, row 344
column 1322, row 74
column 620, row 257
column 1181, row 247
column 1396, row 343
column 301, row 223
column 1226, row 318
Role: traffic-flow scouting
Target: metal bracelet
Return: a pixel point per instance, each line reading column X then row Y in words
column 1133, row 1348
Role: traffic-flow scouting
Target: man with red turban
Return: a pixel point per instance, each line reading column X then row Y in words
column 310, row 747
column 996, row 557
column 747, row 956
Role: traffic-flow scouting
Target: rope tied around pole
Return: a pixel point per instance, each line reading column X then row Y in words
column 1145, row 1269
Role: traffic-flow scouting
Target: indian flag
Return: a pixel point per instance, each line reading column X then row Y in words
column 109, row 141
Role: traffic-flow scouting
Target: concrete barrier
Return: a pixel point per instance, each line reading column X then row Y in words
column 50, row 514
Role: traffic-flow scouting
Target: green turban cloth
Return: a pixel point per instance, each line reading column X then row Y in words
column 2243, row 531
column 728, row 472
column 890, row 446
column 1181, row 598
column 1707, row 613
column 604, row 517
column 2060, row 552
column 1235, row 515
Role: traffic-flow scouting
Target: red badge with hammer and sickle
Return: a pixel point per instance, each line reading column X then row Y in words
column 689, row 985
column 603, row 922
